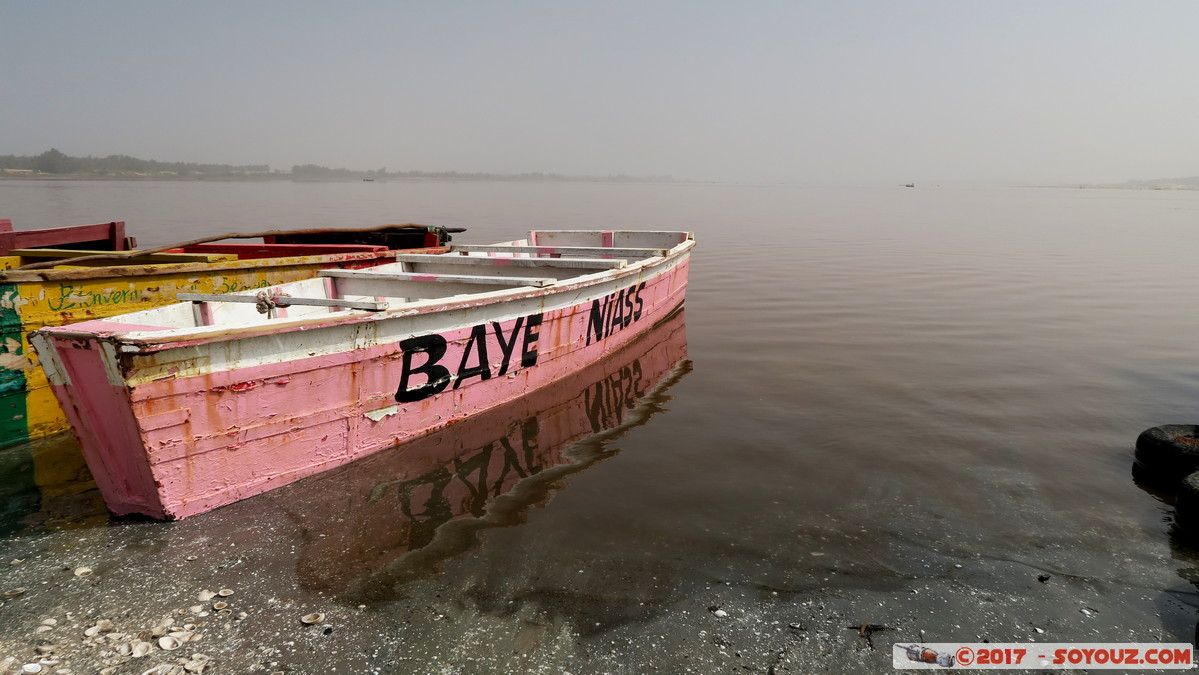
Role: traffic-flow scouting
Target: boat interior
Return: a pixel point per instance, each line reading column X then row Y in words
column 543, row 259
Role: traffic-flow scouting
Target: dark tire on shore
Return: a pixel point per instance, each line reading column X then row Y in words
column 1170, row 451
column 1186, row 509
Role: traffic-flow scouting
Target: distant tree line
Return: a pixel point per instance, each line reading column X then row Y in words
column 317, row 172
column 56, row 162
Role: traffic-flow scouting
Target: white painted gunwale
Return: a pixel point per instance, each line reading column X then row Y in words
column 513, row 303
column 266, row 347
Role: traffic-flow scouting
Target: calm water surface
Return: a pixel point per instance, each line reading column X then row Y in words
column 901, row 407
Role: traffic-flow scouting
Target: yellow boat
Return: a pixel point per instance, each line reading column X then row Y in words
column 61, row 275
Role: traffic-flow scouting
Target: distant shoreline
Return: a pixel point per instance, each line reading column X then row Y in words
column 1126, row 186
column 462, row 178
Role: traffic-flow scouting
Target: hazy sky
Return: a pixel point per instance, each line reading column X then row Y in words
column 746, row 91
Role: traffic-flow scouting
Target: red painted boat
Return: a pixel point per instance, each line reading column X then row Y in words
column 59, row 275
column 190, row 406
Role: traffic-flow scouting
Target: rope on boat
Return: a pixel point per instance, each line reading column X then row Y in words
column 268, row 300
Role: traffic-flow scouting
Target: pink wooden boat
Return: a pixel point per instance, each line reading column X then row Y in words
column 187, row 407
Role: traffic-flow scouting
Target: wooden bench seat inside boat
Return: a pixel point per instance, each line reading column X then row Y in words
column 593, row 251
column 370, row 283
column 557, row 268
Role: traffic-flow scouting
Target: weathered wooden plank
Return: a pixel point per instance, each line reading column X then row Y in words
column 561, row 250
column 66, row 255
column 605, row 238
column 574, row 263
column 285, row 300
column 439, row 278
column 112, row 233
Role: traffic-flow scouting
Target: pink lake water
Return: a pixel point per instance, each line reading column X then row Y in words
column 900, row 406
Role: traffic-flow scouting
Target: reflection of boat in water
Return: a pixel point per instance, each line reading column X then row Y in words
column 45, row 483
column 396, row 515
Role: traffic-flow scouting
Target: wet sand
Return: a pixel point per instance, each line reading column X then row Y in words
column 604, row 621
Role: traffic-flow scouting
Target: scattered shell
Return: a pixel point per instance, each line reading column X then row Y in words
column 225, row 592
column 219, row 605
column 169, row 643
column 196, row 636
column 158, row 631
column 106, row 625
column 91, row 630
column 196, row 609
column 205, row 595
column 108, row 671
column 189, row 626
column 49, row 622
column 31, row 668
column 224, row 612
column 181, row 635
column 16, row 561
column 720, row 613
column 124, row 649
column 43, row 629
column 141, row 648
column 242, row 615
column 83, row 571
column 312, row 619
column 15, row 592
column 192, row 557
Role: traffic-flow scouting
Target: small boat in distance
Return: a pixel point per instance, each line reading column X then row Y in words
column 58, row 275
column 187, row 407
